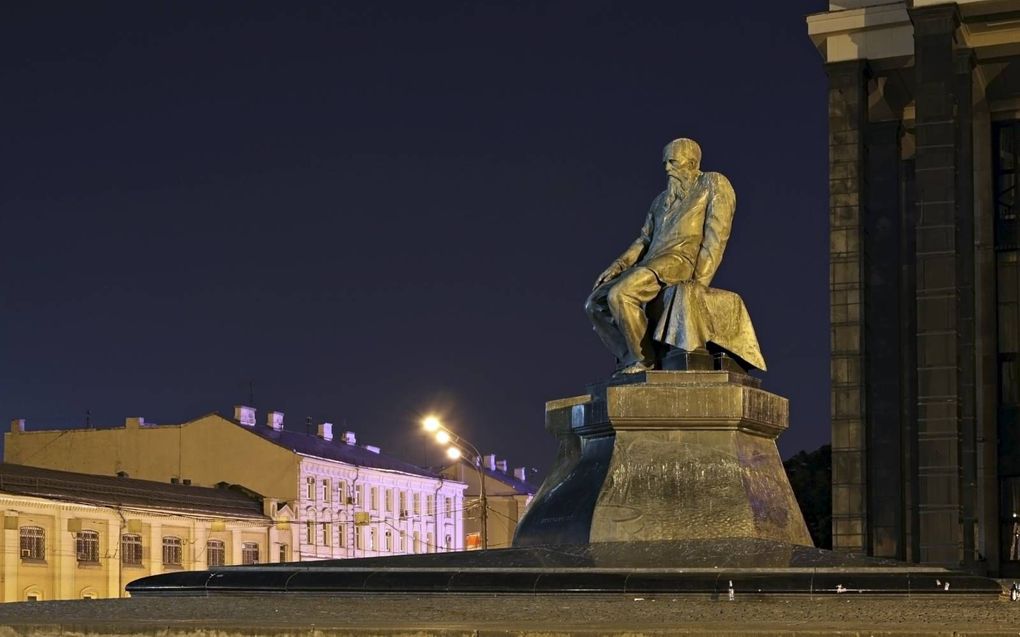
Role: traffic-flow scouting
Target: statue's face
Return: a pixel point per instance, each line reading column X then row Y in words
column 678, row 165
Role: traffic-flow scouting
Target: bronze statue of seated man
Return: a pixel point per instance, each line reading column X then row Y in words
column 662, row 279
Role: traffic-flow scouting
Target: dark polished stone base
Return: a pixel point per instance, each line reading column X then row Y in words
column 714, row 568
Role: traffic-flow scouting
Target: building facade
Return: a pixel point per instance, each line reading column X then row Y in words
column 348, row 500
column 77, row 536
column 507, row 495
column 924, row 130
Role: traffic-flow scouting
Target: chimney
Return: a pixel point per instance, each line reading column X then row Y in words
column 489, row 461
column 274, row 420
column 371, row 448
column 244, row 415
column 18, row 426
column 326, row 431
column 350, row 438
column 134, row 423
column 501, row 465
column 521, row 473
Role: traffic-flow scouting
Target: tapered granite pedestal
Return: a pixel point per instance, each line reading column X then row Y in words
column 665, row 483
column 666, row 455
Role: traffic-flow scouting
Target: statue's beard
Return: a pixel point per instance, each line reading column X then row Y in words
column 678, row 187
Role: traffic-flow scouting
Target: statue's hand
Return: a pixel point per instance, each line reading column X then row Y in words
column 609, row 273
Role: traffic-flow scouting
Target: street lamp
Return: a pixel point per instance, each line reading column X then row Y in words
column 455, row 448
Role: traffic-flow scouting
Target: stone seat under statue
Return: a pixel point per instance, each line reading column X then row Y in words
column 692, row 324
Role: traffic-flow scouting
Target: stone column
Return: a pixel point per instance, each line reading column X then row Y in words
column 944, row 258
column 847, row 262
column 883, row 335
column 113, row 564
column 155, row 561
column 12, row 558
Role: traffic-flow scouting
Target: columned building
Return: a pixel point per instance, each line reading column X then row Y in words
column 79, row 536
column 924, row 131
column 349, row 500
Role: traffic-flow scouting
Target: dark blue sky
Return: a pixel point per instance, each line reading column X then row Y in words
column 376, row 209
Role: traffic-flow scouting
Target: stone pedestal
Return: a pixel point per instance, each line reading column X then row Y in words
column 666, row 455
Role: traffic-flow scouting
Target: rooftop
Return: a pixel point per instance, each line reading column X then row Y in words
column 228, row 501
column 312, row 445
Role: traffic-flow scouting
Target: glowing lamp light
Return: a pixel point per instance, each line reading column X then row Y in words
column 453, row 453
column 442, row 437
column 431, row 423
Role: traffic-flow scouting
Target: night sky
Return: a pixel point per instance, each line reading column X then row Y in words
column 373, row 210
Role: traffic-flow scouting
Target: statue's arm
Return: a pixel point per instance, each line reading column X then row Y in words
column 630, row 256
column 722, row 203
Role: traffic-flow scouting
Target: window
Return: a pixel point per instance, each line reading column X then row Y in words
column 86, row 547
column 373, row 499
column 449, row 506
column 358, row 540
column 373, row 544
column 430, row 506
column 327, row 491
column 389, row 500
column 173, row 551
column 417, row 503
column 283, row 553
column 416, row 542
column 449, row 542
column 33, row 543
column 310, row 488
column 388, row 539
column 341, row 532
column 131, row 550
column 402, row 501
column 359, row 495
column 430, row 544
column 310, row 532
column 327, row 534
column 250, row 553
column 403, row 542
column 215, row 552
column 342, row 491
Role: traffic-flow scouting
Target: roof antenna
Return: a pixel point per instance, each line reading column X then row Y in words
column 308, row 425
column 251, row 393
column 88, row 419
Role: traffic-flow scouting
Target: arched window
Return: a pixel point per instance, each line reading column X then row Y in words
column 388, row 538
column 173, row 551
column 215, row 553
column 88, row 593
column 449, row 542
column 33, row 594
column 250, row 553
column 131, row 550
column 86, row 546
column 33, row 543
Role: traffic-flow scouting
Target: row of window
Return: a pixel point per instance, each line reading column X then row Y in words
column 322, row 534
column 86, row 548
column 323, row 492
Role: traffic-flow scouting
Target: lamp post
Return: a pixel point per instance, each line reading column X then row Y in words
column 455, row 448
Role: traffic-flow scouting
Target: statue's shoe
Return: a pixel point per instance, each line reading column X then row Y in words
column 635, row 368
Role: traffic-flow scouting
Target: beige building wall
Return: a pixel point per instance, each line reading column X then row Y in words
column 59, row 574
column 206, row 451
column 505, row 507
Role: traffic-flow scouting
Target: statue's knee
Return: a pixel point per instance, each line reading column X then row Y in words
column 616, row 296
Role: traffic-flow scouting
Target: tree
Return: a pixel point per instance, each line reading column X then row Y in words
column 811, row 478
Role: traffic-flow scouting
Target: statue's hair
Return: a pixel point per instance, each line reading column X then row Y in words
column 686, row 147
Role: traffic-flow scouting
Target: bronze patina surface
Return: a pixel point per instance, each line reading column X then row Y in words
column 663, row 278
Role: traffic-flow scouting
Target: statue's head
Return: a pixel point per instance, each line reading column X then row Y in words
column 681, row 158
